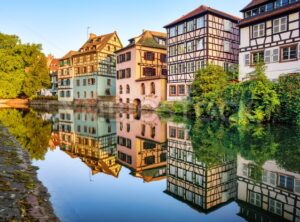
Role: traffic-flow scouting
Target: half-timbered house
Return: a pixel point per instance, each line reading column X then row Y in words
column 270, row 33
column 202, row 36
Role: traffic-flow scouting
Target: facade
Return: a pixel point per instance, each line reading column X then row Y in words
column 53, row 69
column 194, row 182
column 270, row 34
column 65, row 78
column 276, row 197
column 141, row 145
column 202, row 36
column 95, row 68
column 142, row 71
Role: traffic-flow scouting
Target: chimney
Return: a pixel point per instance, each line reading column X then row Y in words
column 92, row 35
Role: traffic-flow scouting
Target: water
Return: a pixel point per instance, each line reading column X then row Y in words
column 128, row 167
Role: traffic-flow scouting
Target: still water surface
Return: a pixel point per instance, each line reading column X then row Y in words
column 141, row 167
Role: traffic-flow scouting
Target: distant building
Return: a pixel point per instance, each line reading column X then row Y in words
column 275, row 196
column 66, row 78
column 95, row 69
column 53, row 69
column 202, row 186
column 204, row 35
column 142, row 71
column 270, row 34
column 141, row 145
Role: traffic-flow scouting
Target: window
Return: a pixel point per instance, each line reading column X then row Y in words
column 227, row 46
column 143, row 130
column 172, row 50
column 143, row 90
column 180, row 29
column 190, row 46
column 181, row 68
column 84, row 82
column 247, row 59
column 181, row 48
column 128, row 56
column 190, row 66
column 255, row 199
column 227, row 25
column 149, row 71
column 164, row 72
column 149, row 56
column 78, row 82
column 267, row 56
column 258, row 30
column 275, row 55
column 68, row 94
column 200, row 44
column 200, row 65
column 172, row 170
column 258, row 57
column 189, row 157
column 172, row 69
column 163, row 58
column 180, row 173
column 108, row 82
column 289, row 53
column 190, row 26
column 128, row 127
column 149, row 160
column 127, row 100
column 78, row 95
column 275, row 206
column 172, row 132
column 152, row 88
column 200, row 23
column 172, row 31
column 92, row 94
column 181, row 131
column 199, row 179
column 172, row 90
column 121, row 89
column 127, row 89
column 84, row 94
column 153, row 132
column 286, row 182
column 198, row 200
column 280, row 25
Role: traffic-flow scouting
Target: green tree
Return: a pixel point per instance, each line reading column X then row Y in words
column 23, row 68
column 208, row 88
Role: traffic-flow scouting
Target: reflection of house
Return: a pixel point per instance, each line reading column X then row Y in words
column 95, row 142
column 142, row 145
column 66, row 127
column 95, row 68
column 142, row 71
column 193, row 182
column 273, row 195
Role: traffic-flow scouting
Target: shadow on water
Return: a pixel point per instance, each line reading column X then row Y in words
column 252, row 172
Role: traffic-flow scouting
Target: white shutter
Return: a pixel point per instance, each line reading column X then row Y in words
column 275, row 55
column 267, row 56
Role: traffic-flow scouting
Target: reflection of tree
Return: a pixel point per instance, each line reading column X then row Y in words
column 287, row 155
column 31, row 131
column 212, row 142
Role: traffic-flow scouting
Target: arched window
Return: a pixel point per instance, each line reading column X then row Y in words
column 153, row 131
column 121, row 89
column 152, row 88
column 143, row 90
column 127, row 89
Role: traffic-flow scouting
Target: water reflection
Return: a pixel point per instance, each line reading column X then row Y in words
column 207, row 166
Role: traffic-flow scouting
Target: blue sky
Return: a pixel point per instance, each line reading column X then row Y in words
column 61, row 25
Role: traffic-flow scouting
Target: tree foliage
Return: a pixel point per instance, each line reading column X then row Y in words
column 23, row 68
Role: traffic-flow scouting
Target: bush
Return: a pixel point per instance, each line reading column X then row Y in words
column 288, row 90
column 177, row 108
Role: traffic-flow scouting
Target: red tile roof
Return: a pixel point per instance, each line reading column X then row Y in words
column 255, row 3
column 201, row 10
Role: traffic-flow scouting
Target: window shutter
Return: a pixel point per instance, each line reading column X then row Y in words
column 297, row 183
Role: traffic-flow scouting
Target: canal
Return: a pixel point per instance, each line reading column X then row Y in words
column 124, row 166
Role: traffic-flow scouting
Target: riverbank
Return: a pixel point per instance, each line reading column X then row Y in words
column 22, row 195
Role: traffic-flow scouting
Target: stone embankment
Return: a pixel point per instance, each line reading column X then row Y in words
column 22, row 195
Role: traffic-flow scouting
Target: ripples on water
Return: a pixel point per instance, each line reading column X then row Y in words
column 141, row 167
